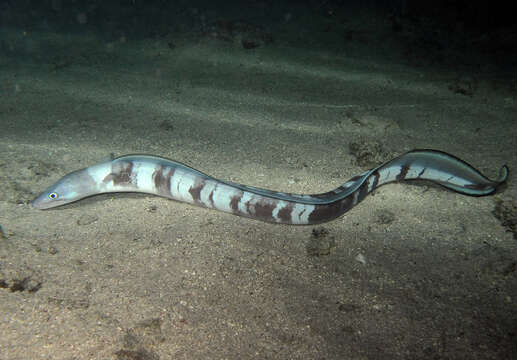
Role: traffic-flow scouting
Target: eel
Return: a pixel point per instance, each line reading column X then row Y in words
column 170, row 179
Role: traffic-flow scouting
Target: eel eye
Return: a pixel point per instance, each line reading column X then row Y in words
column 53, row 196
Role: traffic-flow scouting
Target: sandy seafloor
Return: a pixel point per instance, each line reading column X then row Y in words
column 413, row 272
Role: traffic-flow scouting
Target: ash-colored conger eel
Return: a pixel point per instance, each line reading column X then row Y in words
column 163, row 177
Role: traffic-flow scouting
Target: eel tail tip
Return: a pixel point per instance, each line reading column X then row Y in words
column 503, row 174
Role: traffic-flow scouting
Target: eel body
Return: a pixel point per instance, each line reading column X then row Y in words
column 163, row 177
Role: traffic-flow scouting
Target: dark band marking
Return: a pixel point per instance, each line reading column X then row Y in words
column 211, row 196
column 477, row 186
column 162, row 180
column 421, row 173
column 403, row 172
column 284, row 214
column 376, row 177
column 262, row 209
column 363, row 191
column 234, row 203
column 323, row 213
column 195, row 190
column 122, row 174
